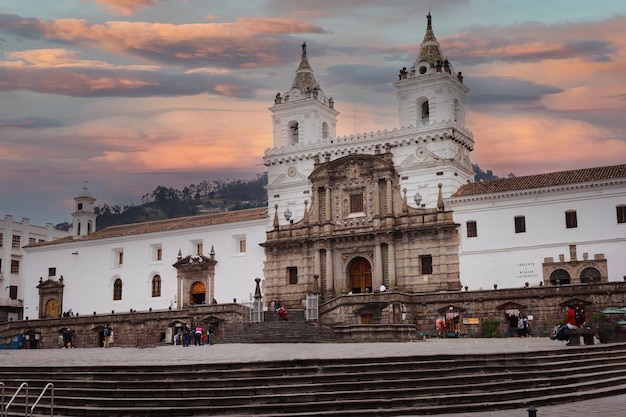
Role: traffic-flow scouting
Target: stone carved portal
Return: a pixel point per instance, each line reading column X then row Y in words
column 360, row 273
column 196, row 279
column 50, row 297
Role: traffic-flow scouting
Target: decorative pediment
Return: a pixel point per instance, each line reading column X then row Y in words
column 211, row 319
column 511, row 305
column 50, row 284
column 575, row 301
column 194, row 260
column 450, row 308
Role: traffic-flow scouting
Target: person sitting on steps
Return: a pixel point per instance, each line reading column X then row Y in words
column 282, row 313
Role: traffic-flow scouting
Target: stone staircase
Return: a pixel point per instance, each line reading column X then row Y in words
column 392, row 386
column 295, row 330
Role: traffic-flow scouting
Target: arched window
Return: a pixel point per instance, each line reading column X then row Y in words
column 117, row 289
column 294, row 133
column 590, row 275
column 457, row 111
column 559, row 277
column 425, row 116
column 324, row 130
column 156, row 286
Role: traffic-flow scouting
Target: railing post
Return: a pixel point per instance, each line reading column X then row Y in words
column 23, row 385
column 532, row 411
column 48, row 385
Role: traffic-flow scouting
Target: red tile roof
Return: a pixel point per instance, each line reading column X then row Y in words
column 169, row 224
column 542, row 180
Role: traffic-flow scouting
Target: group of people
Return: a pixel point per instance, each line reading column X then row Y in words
column 523, row 329
column 280, row 309
column 200, row 336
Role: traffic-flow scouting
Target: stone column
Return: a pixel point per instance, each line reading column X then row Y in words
column 330, row 276
column 376, row 198
column 329, row 209
column 377, row 277
column 316, row 202
column 391, row 255
column 317, row 263
column 389, row 197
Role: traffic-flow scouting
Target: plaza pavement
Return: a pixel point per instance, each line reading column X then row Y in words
column 242, row 352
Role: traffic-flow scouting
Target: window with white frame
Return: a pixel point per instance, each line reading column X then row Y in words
column 15, row 266
column 472, row 230
column 571, row 220
column 197, row 247
column 156, row 253
column 156, row 286
column 239, row 244
column 621, row 215
column 117, row 289
column 118, row 257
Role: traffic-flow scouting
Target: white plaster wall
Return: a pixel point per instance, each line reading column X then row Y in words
column 500, row 256
column 26, row 231
column 89, row 275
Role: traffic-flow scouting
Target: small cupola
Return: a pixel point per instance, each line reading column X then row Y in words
column 84, row 216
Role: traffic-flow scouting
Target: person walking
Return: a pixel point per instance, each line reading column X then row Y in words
column 211, row 333
column 186, row 336
column 108, row 334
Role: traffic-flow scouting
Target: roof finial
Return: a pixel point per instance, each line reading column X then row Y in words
column 430, row 22
column 303, row 50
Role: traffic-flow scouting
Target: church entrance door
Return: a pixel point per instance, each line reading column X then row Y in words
column 198, row 293
column 52, row 308
column 360, row 272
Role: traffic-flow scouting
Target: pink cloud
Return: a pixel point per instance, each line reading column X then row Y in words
column 246, row 43
column 529, row 145
column 124, row 7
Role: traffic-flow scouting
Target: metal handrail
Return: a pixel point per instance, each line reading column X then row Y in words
column 2, row 399
column 6, row 409
column 48, row 385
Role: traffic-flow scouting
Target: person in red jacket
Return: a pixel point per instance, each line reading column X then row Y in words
column 282, row 313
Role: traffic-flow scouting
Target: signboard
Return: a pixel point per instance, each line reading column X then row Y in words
column 526, row 271
column 471, row 320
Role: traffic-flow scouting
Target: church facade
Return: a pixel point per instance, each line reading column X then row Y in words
column 348, row 216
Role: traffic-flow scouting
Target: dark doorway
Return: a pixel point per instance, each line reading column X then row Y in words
column 360, row 272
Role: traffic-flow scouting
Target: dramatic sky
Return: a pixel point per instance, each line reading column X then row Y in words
column 133, row 94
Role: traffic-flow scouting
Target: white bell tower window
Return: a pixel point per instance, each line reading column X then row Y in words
column 425, row 112
column 293, row 132
column 325, row 130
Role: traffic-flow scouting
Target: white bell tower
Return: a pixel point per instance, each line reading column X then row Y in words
column 303, row 115
column 84, row 217
column 431, row 102
column 304, row 124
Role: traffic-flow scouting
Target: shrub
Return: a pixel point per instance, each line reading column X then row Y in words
column 489, row 327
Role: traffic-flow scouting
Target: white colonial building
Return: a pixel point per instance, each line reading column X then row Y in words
column 548, row 229
column 397, row 206
column 13, row 236
column 131, row 267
